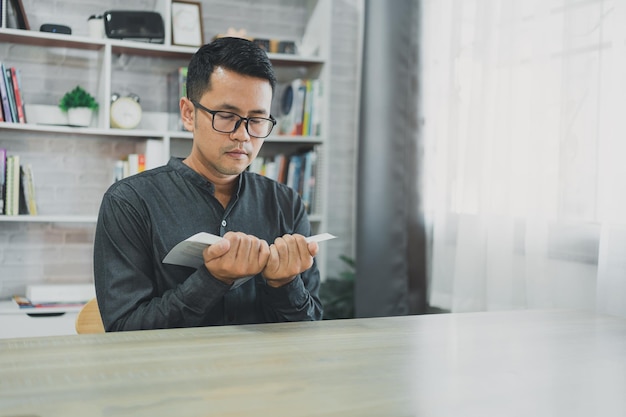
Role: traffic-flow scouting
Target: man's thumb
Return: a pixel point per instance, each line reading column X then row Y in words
column 216, row 250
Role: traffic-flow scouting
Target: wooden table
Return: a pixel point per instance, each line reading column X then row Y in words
column 526, row 363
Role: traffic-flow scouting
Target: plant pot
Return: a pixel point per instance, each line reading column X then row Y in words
column 79, row 116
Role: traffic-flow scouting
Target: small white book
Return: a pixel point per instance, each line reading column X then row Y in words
column 189, row 251
column 60, row 293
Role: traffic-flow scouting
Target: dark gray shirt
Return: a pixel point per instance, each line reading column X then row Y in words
column 144, row 216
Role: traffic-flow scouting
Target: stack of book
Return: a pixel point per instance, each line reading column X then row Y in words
column 17, row 186
column 301, row 117
column 48, row 296
column 131, row 165
column 12, row 109
column 297, row 171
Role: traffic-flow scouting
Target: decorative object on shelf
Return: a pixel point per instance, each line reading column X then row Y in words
column 54, row 28
column 187, row 23
column 125, row 111
column 79, row 105
column 236, row 33
column 276, row 45
column 96, row 26
column 142, row 26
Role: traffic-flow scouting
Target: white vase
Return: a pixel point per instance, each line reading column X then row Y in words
column 79, row 116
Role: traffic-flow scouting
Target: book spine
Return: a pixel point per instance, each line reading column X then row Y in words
column 29, row 189
column 15, row 198
column 9, row 84
column 298, row 106
column 307, row 182
column 154, row 153
column 308, row 106
column 22, row 204
column 133, row 164
column 141, row 162
column 5, row 97
column 19, row 104
column 3, row 170
column 316, row 116
column 12, row 186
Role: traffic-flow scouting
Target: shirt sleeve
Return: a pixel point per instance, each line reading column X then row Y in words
column 124, row 272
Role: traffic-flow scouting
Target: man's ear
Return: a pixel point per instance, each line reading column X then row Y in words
column 187, row 113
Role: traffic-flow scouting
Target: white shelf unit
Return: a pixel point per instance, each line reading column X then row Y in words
column 109, row 60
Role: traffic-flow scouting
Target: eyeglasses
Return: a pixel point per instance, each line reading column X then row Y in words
column 227, row 122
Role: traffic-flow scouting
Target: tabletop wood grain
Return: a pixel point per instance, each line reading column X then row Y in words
column 523, row 363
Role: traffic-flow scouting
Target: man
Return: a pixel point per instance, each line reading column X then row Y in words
column 230, row 84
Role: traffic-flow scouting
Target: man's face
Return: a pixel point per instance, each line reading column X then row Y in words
column 224, row 155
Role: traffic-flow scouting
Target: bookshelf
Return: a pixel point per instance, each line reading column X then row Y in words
column 51, row 63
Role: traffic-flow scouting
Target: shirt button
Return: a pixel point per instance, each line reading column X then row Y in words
column 223, row 223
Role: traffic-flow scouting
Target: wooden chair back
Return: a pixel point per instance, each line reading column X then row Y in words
column 89, row 319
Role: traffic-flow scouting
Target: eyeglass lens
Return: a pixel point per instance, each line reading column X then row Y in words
column 229, row 122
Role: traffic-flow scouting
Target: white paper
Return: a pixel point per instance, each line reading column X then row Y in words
column 189, row 251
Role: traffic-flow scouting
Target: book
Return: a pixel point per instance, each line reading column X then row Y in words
column 133, row 164
column 307, row 108
column 22, row 207
column 8, row 80
column 308, row 181
column 17, row 93
column 141, row 162
column 294, row 172
column 28, row 184
column 154, row 153
column 298, row 106
column 3, row 170
column 316, row 110
column 8, row 186
column 24, row 303
column 6, row 107
column 118, row 171
column 189, row 251
column 177, row 88
column 60, row 293
column 12, row 185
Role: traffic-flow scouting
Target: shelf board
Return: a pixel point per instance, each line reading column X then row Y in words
column 150, row 49
column 89, row 131
column 315, row 218
column 139, row 133
column 120, row 46
column 292, row 140
column 53, row 218
column 29, row 37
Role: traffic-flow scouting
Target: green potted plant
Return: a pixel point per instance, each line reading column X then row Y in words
column 79, row 105
column 337, row 294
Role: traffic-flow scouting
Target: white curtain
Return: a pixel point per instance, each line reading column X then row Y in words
column 524, row 130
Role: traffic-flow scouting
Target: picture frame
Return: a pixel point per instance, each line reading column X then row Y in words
column 187, row 27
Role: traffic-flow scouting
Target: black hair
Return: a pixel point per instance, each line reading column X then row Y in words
column 235, row 54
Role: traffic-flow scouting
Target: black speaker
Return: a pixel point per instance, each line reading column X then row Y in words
column 53, row 28
column 136, row 25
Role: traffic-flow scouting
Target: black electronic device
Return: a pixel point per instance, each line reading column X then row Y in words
column 134, row 25
column 54, row 28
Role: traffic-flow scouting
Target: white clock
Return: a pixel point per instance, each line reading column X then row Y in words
column 125, row 112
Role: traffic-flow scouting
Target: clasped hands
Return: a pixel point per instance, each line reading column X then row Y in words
column 240, row 255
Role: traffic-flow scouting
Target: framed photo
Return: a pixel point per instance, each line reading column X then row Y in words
column 187, row 23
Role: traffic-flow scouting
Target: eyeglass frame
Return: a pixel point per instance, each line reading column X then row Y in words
column 238, row 123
